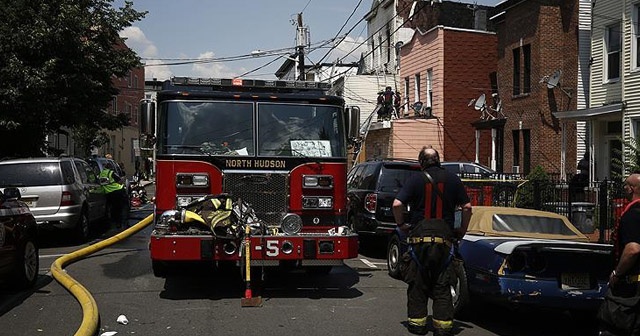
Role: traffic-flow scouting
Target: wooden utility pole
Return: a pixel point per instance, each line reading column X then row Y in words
column 301, row 41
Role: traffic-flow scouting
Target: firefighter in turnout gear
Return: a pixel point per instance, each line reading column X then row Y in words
column 116, row 196
column 431, row 232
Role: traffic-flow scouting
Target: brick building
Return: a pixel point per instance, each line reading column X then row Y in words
column 447, row 62
column 537, row 76
column 122, row 142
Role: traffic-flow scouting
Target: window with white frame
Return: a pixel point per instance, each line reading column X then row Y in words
column 429, row 88
column 379, row 51
column 635, row 128
column 372, row 56
column 613, row 44
column 635, row 40
column 417, row 88
column 406, row 95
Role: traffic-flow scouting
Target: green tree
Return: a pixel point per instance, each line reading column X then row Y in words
column 632, row 160
column 58, row 59
column 537, row 178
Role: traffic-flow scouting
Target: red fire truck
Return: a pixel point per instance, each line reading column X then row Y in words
column 279, row 146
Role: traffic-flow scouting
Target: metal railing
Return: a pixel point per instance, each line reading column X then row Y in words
column 593, row 207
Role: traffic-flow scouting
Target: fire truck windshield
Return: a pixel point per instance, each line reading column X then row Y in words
column 239, row 128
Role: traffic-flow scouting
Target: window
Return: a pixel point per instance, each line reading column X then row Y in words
column 635, row 40
column 526, row 75
column 373, row 54
column 406, row 96
column 612, row 64
column 134, row 117
column 516, row 147
column 114, row 105
column 128, row 113
column 417, row 88
column 388, row 33
column 379, row 51
column 516, row 71
column 526, row 151
column 429, row 101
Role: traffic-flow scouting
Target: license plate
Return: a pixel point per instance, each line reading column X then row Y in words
column 571, row 281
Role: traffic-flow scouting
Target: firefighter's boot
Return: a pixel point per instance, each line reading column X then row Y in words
column 443, row 327
column 417, row 326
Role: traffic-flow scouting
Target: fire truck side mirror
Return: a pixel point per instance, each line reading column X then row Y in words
column 147, row 117
column 353, row 122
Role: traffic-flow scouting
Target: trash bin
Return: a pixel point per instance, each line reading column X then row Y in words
column 582, row 216
column 561, row 208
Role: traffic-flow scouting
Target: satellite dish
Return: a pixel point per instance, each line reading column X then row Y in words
column 479, row 105
column 413, row 10
column 554, row 79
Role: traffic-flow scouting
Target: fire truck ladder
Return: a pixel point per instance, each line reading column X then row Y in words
column 364, row 130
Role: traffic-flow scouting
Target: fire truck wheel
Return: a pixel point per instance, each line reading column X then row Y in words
column 319, row 270
column 160, row 268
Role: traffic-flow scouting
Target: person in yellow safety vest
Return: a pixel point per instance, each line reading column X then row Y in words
column 116, row 197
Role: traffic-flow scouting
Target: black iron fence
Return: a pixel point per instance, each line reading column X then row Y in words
column 592, row 207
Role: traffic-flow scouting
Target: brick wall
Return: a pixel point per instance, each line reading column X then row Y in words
column 461, row 62
column 551, row 31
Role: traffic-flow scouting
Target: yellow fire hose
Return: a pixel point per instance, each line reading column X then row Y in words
column 90, row 314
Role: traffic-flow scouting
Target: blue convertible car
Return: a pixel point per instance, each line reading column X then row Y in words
column 516, row 256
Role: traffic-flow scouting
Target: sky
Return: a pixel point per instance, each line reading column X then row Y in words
column 246, row 38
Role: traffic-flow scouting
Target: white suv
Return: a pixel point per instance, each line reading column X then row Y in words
column 61, row 192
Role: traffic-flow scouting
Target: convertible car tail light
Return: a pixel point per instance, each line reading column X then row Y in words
column 370, row 202
column 531, row 261
column 517, row 261
column 536, row 262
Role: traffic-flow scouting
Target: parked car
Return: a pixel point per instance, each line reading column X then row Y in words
column 371, row 189
column 525, row 257
column 19, row 255
column 469, row 170
column 61, row 192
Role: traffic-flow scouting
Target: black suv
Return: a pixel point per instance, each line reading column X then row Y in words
column 371, row 188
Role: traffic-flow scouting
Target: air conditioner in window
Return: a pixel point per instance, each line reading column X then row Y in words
column 516, row 169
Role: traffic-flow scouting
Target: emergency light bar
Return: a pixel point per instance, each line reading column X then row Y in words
column 257, row 83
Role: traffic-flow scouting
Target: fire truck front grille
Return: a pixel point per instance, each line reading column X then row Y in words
column 265, row 192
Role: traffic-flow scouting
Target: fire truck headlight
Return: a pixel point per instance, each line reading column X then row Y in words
column 317, row 181
column 192, row 180
column 183, row 201
column 317, row 202
column 291, row 224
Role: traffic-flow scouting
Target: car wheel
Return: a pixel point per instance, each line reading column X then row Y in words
column 393, row 257
column 459, row 289
column 27, row 265
column 82, row 228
